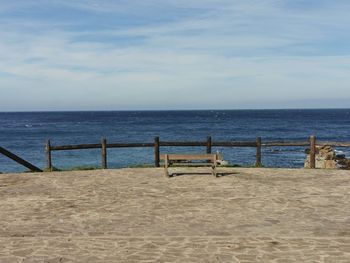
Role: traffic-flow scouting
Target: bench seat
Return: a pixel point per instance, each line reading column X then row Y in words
column 189, row 160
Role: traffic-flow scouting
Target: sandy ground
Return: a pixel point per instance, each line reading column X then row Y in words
column 137, row 215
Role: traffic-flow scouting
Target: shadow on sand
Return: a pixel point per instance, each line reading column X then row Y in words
column 202, row 173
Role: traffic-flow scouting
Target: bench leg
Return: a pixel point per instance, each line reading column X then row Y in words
column 214, row 167
column 166, row 165
column 213, row 171
column 166, row 173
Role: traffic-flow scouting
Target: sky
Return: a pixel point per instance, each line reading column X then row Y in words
column 174, row 54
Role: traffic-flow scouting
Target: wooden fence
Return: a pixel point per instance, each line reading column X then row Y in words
column 19, row 160
column 157, row 144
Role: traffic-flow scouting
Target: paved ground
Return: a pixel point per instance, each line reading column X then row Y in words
column 137, row 215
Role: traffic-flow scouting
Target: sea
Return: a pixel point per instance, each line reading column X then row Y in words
column 25, row 134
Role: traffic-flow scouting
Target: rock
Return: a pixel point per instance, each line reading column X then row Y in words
column 344, row 163
column 326, row 152
column 340, row 156
column 326, row 158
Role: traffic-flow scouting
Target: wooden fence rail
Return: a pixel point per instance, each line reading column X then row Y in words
column 157, row 144
column 334, row 144
column 286, row 144
column 19, row 160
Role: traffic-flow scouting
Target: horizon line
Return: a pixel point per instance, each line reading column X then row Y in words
column 158, row 110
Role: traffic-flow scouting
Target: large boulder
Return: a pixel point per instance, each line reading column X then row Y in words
column 327, row 158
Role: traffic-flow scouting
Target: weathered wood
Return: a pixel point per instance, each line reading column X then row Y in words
column 104, row 153
column 98, row 146
column 156, row 152
column 48, row 156
column 192, row 144
column 121, row 145
column 183, row 144
column 129, row 145
column 75, row 147
column 285, row 143
column 188, row 157
column 208, row 144
column 334, row 144
column 166, row 165
column 213, row 167
column 234, row 144
column 220, row 144
column 193, row 164
column 313, row 152
column 174, row 159
column 19, row 160
column 258, row 162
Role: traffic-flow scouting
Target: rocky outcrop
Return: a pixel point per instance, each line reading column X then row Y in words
column 327, row 158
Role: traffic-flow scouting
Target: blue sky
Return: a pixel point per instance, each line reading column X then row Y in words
column 160, row 54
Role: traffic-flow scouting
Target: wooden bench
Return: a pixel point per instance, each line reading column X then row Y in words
column 190, row 160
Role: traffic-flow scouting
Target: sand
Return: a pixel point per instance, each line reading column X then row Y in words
column 137, row 215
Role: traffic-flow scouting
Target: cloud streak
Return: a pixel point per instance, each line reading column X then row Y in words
column 172, row 54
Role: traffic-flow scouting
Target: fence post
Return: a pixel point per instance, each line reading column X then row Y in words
column 209, row 144
column 313, row 151
column 104, row 153
column 156, row 152
column 48, row 155
column 258, row 152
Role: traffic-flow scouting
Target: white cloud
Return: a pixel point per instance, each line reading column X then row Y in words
column 225, row 55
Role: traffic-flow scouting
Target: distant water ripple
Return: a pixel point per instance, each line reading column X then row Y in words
column 25, row 134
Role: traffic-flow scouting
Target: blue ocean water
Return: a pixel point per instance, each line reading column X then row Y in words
column 25, row 134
